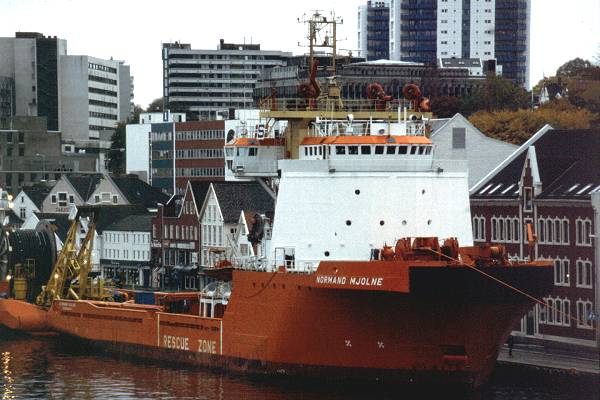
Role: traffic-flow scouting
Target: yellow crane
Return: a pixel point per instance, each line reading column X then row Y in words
column 70, row 275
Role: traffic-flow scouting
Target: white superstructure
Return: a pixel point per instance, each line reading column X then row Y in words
column 357, row 185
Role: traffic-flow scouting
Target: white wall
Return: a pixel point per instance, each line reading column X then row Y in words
column 449, row 28
column 137, row 153
column 23, row 202
column 74, row 96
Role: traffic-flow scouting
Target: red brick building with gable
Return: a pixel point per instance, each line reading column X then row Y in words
column 552, row 181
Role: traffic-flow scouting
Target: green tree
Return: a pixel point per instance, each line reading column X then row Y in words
column 446, row 106
column 156, row 105
column 497, row 94
column 116, row 154
column 135, row 117
column 573, row 67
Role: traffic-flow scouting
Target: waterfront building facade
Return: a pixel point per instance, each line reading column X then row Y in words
column 125, row 257
column 206, row 84
column 552, row 182
column 424, row 31
column 373, row 30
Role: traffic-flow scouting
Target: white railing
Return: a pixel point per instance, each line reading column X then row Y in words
column 267, row 265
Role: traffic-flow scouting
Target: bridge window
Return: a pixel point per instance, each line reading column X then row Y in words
column 421, row 150
column 252, row 151
column 413, row 150
column 320, row 150
column 379, row 149
column 306, row 151
column 353, row 150
column 340, row 150
column 365, row 149
column 428, row 150
column 310, row 151
column 391, row 150
column 402, row 149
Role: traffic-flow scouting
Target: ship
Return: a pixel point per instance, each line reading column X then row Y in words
column 370, row 272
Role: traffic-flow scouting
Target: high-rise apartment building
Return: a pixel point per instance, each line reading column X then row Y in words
column 427, row 30
column 206, row 84
column 373, row 30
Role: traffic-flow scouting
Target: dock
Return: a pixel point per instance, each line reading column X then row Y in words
column 538, row 357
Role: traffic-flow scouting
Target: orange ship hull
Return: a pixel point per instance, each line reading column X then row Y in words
column 22, row 316
column 398, row 323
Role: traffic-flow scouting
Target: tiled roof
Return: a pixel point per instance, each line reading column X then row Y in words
column 568, row 163
column 132, row 223
column 138, row 192
column 234, row 197
column 106, row 215
column 85, row 185
column 37, row 193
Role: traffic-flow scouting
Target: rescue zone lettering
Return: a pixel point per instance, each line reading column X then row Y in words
column 176, row 342
column 207, row 346
column 354, row 280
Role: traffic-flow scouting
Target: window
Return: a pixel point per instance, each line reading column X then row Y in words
column 53, row 199
column 584, row 314
column 557, row 311
column 527, row 199
column 390, row 150
column 62, row 199
column 379, row 149
column 22, row 212
column 583, row 231
column 479, row 228
column 115, row 199
column 97, row 198
column 584, row 273
column 402, row 149
column 561, row 272
column 340, row 150
column 353, row 150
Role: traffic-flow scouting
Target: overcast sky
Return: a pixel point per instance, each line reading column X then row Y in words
column 133, row 30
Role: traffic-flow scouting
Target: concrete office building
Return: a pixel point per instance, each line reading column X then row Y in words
column 373, row 30
column 96, row 94
column 497, row 30
column 80, row 96
column 206, row 84
column 31, row 60
column 7, row 100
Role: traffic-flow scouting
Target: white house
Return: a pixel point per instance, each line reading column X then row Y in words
column 458, row 139
column 125, row 252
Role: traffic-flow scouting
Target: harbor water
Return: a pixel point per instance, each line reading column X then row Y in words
column 49, row 368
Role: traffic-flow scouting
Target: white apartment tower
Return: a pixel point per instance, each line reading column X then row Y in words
column 484, row 29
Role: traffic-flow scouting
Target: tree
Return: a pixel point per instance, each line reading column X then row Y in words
column 497, row 94
column 116, row 154
column 156, row 105
column 446, row 106
column 518, row 126
column 573, row 67
column 135, row 117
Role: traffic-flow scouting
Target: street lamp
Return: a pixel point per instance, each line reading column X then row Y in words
column 43, row 156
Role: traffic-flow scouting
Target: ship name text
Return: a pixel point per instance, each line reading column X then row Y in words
column 352, row 281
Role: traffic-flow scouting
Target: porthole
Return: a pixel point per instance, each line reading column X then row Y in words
column 348, row 222
column 423, row 191
column 382, row 222
column 357, row 192
column 403, row 222
column 428, row 222
column 326, row 254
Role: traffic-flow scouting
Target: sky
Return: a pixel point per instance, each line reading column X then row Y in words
column 133, row 30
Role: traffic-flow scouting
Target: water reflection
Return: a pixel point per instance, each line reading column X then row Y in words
column 35, row 368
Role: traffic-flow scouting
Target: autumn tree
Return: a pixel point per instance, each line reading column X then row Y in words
column 573, row 67
column 518, row 126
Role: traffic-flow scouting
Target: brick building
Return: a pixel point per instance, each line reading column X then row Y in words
column 552, row 181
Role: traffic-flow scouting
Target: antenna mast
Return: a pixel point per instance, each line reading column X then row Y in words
column 322, row 36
